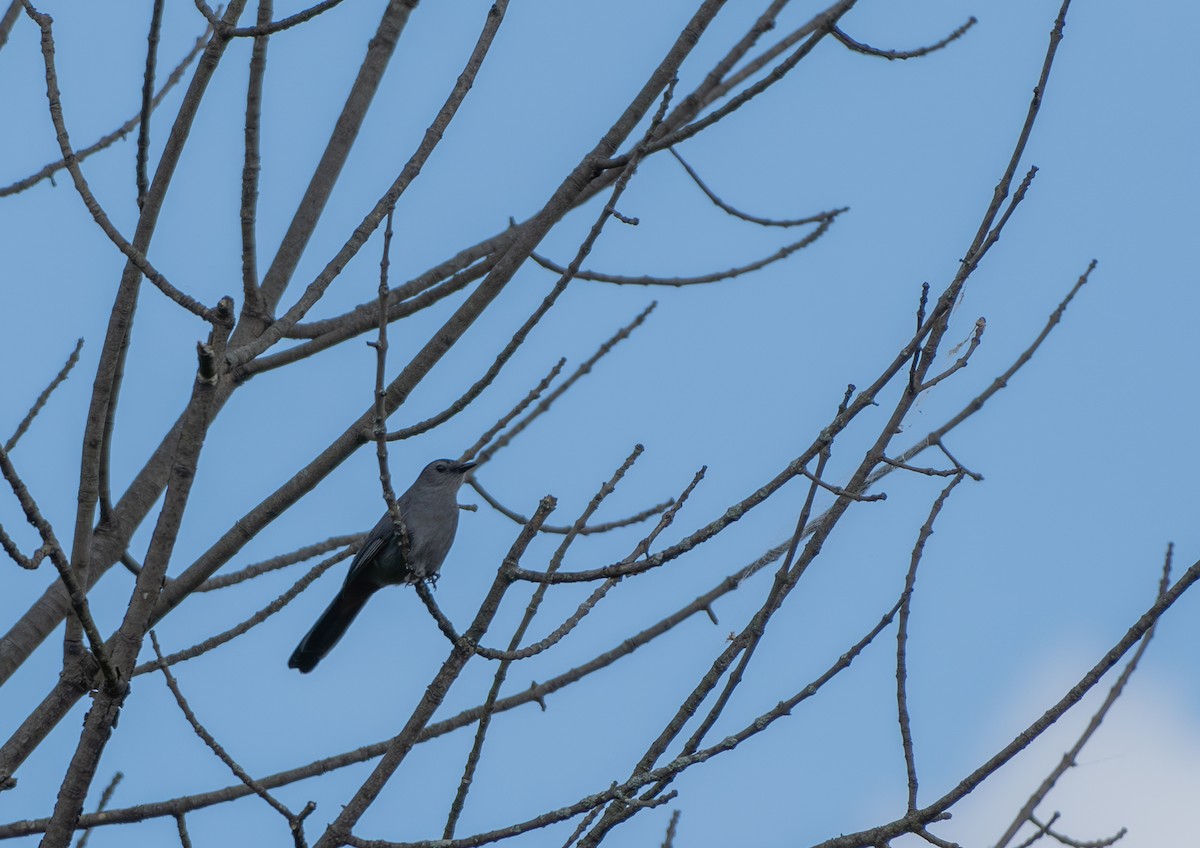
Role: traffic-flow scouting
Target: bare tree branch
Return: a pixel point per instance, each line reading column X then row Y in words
column 464, row 287
column 125, row 643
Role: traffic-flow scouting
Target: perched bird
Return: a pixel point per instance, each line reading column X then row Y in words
column 429, row 511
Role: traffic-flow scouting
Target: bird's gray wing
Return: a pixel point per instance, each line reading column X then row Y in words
column 371, row 546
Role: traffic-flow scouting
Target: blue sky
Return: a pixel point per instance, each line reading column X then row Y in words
column 1031, row 576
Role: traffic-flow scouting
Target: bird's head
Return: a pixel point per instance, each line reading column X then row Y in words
column 443, row 474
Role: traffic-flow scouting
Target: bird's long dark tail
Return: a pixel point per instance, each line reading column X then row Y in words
column 329, row 628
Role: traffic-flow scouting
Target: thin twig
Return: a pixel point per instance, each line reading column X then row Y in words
column 131, row 565
column 210, row 741
column 11, row 548
column 357, row 321
column 933, row 840
column 443, row 622
column 48, row 172
column 994, row 234
column 379, row 431
column 961, row 362
column 584, row 823
column 702, row 279
column 1078, row 843
column 941, row 445
column 928, row 472
column 753, row 219
column 1042, row 830
column 57, row 556
column 351, row 540
column 181, row 827
column 724, row 79
column 143, row 142
column 1000, row 382
column 252, row 166
column 466, row 266
column 859, row 47
column 522, row 405
column 842, row 493
column 105, row 797
column 910, row 580
column 71, row 160
column 262, row 615
column 44, row 396
column 272, row 27
column 922, row 304
column 561, row 529
column 584, row 369
column 669, row 839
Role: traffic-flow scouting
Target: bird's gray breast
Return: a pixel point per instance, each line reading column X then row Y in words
column 431, row 523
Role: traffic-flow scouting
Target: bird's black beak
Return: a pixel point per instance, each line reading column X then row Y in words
column 463, row 467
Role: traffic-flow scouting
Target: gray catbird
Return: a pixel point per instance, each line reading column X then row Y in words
column 429, row 510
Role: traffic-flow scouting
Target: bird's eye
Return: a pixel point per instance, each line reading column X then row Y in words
column 441, row 466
